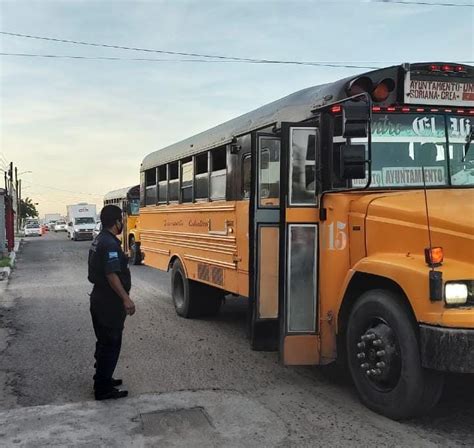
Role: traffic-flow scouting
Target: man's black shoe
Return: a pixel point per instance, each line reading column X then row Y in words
column 115, row 382
column 111, row 394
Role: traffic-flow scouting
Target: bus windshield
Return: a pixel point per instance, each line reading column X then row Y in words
column 134, row 206
column 403, row 145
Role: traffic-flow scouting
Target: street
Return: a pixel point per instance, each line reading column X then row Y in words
column 48, row 360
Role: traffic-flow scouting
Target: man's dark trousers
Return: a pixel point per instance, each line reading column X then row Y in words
column 107, row 352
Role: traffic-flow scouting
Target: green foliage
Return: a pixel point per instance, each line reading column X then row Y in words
column 28, row 209
column 5, row 262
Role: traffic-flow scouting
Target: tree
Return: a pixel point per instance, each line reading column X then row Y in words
column 27, row 209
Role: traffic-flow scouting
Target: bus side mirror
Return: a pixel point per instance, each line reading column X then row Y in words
column 352, row 162
column 355, row 119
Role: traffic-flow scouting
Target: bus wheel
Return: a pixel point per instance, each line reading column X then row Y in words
column 384, row 358
column 184, row 292
column 135, row 255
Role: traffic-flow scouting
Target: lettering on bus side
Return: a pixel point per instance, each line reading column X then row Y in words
column 173, row 223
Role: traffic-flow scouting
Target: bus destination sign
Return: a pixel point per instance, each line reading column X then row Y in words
column 421, row 89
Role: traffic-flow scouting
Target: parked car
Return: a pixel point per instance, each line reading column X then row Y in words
column 60, row 226
column 33, row 229
column 97, row 229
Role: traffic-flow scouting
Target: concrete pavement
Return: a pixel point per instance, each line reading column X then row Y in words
column 181, row 419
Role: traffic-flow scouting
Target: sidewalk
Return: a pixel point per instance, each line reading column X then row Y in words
column 205, row 418
column 6, row 303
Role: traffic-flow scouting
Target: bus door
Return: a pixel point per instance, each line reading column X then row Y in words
column 264, row 240
column 298, row 254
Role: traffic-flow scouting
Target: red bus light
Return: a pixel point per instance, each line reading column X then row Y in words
column 382, row 89
column 376, row 109
column 405, row 109
column 460, row 69
column 447, row 68
column 435, row 68
column 336, row 109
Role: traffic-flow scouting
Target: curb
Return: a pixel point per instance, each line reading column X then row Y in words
column 6, row 271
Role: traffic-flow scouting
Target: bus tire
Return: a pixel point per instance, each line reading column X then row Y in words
column 184, row 292
column 384, row 357
column 135, row 254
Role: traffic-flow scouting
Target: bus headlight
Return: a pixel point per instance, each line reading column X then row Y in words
column 456, row 293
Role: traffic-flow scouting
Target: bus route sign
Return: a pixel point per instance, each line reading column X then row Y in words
column 422, row 89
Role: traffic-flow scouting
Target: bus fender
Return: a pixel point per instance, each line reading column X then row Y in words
column 175, row 257
column 407, row 275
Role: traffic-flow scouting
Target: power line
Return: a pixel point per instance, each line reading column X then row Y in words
column 105, row 58
column 77, row 193
column 314, row 64
column 402, row 2
column 148, row 50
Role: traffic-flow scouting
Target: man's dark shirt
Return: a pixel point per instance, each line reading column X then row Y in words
column 105, row 257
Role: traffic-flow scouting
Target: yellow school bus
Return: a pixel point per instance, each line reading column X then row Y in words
column 128, row 199
column 345, row 214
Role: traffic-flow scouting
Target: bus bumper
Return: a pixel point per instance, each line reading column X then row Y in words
column 447, row 349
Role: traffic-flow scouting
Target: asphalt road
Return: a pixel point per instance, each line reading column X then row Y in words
column 49, row 359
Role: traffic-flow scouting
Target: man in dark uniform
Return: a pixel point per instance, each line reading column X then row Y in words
column 110, row 301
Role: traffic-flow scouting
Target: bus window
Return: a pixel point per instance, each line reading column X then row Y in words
column 303, row 166
column 246, row 181
column 187, row 173
column 269, row 166
column 162, row 184
column 202, row 176
column 173, row 182
column 150, row 186
column 218, row 173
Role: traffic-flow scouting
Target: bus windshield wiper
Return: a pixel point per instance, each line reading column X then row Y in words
column 467, row 146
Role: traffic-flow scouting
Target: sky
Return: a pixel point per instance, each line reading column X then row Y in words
column 78, row 128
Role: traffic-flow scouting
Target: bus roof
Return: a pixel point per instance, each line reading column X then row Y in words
column 295, row 107
column 123, row 193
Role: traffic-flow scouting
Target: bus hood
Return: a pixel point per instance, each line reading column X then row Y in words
column 397, row 222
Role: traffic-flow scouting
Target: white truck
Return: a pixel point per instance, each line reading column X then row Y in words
column 50, row 219
column 81, row 219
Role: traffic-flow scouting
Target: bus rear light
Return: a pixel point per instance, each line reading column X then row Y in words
column 434, row 256
column 447, row 68
column 435, row 68
column 336, row 109
column 434, row 110
column 405, row 109
column 382, row 89
column 420, row 109
column 391, row 109
column 460, row 69
column 471, row 112
column 359, row 85
column 376, row 109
